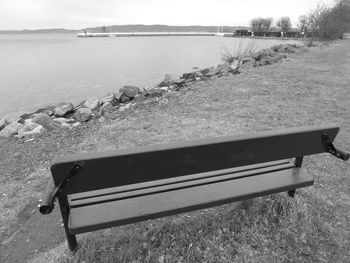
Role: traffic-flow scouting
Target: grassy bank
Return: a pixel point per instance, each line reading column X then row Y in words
column 309, row 88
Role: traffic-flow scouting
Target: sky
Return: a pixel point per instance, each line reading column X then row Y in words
column 77, row 14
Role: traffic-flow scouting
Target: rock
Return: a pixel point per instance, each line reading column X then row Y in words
column 262, row 53
column 121, row 97
column 154, row 93
column 106, row 107
column 63, row 108
column 3, row 123
column 266, row 61
column 29, row 125
column 37, row 130
column 76, row 124
column 60, row 120
column 179, row 82
column 92, row 104
column 45, row 120
column 224, row 68
column 246, row 60
column 211, row 73
column 168, row 81
column 205, row 71
column 198, row 78
column 130, row 91
column 290, row 48
column 82, row 114
column 139, row 97
column 109, row 97
column 49, row 110
column 190, row 75
column 198, row 74
column 11, row 129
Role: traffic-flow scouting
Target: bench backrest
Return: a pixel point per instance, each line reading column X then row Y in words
column 122, row 167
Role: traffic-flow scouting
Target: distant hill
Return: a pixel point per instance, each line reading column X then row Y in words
column 127, row 28
column 39, row 31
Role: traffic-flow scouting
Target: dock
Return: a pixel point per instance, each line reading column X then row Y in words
column 147, row 34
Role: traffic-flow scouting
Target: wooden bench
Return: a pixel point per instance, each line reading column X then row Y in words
column 108, row 189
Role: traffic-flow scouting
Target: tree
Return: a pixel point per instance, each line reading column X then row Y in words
column 303, row 24
column 285, row 24
column 260, row 26
column 267, row 22
column 315, row 17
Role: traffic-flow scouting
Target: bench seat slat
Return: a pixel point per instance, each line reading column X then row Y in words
column 181, row 183
column 124, row 188
column 131, row 210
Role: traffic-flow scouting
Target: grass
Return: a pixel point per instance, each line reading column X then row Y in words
column 312, row 227
column 242, row 48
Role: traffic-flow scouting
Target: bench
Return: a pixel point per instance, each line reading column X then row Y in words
column 107, row 189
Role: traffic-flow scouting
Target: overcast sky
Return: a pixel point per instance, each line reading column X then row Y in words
column 77, row 14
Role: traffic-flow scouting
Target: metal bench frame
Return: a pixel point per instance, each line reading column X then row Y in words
column 107, row 189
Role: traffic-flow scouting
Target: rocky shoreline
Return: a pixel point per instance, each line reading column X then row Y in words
column 67, row 116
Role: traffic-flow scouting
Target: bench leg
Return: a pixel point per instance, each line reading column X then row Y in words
column 291, row 193
column 71, row 239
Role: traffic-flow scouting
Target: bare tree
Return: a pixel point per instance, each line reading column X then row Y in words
column 260, row 26
column 315, row 17
column 257, row 26
column 304, row 24
column 267, row 23
column 284, row 23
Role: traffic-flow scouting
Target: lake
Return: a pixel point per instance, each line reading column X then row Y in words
column 41, row 69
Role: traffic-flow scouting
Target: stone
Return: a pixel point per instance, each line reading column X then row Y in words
column 63, row 108
column 140, row 97
column 225, row 67
column 130, row 91
column 106, row 107
column 205, row 71
column 154, row 93
column 11, row 129
column 246, row 60
column 211, row 73
column 121, row 97
column 29, row 125
column 76, row 124
column 37, row 130
column 266, row 61
column 190, row 75
column 49, row 110
column 92, row 104
column 3, row 123
column 179, row 82
column 82, row 114
column 45, row 120
column 61, row 120
column 168, row 81
column 198, row 78
column 109, row 97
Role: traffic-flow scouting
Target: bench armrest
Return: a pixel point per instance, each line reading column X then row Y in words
column 342, row 154
column 48, row 202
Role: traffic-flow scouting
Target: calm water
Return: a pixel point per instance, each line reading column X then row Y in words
column 37, row 70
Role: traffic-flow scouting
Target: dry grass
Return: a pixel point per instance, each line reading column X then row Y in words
column 241, row 49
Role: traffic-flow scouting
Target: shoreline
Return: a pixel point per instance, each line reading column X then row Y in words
column 69, row 116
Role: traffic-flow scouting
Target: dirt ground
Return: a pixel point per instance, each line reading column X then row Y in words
column 305, row 89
